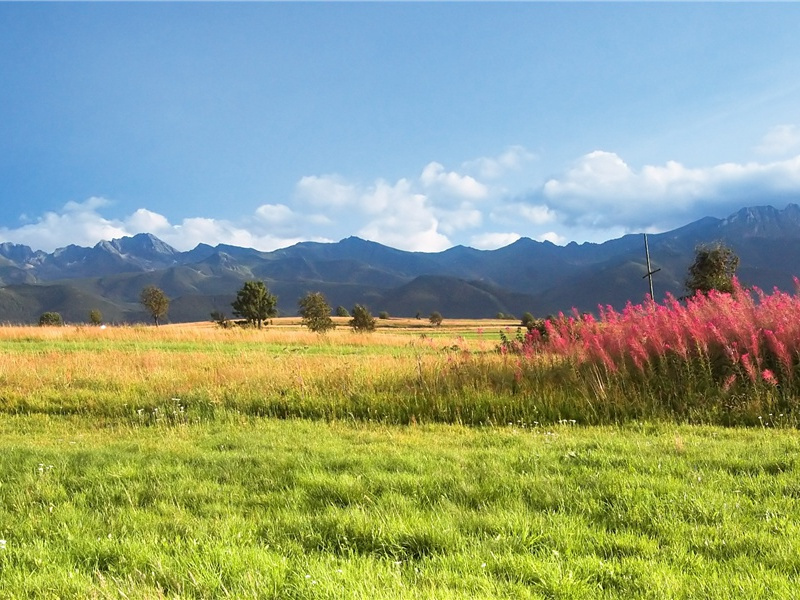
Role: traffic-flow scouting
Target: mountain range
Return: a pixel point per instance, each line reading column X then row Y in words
column 461, row 282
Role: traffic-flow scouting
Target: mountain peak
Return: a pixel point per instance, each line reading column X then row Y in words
column 764, row 221
column 144, row 243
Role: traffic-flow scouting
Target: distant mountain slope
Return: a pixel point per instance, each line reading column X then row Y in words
column 539, row 277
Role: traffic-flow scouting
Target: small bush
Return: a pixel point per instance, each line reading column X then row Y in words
column 220, row 319
column 51, row 319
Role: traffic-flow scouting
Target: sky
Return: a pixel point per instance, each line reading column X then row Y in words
column 417, row 125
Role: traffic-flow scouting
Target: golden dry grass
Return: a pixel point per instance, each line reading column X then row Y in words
column 83, row 368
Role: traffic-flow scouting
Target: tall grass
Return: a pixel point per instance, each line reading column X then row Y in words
column 718, row 359
column 727, row 358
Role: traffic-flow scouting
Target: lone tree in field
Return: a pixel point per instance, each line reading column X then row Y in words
column 51, row 319
column 95, row 317
column 713, row 268
column 362, row 321
column 155, row 301
column 436, row 318
column 255, row 303
column 316, row 312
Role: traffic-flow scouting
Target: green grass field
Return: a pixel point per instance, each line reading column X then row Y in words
column 148, row 463
column 262, row 508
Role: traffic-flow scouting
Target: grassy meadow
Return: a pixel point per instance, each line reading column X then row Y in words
column 190, row 461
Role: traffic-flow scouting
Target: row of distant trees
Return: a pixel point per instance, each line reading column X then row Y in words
column 256, row 305
column 714, row 268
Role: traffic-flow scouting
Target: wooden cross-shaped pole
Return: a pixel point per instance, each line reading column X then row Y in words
column 650, row 271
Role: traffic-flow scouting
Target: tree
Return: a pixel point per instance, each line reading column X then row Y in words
column 50, row 319
column 362, row 321
column 435, row 318
column 316, row 312
column 713, row 268
column 383, row 315
column 528, row 320
column 155, row 301
column 95, row 317
column 255, row 303
column 341, row 311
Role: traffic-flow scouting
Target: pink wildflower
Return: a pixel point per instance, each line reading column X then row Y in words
column 748, row 367
column 769, row 377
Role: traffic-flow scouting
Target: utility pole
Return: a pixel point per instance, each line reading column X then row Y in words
column 650, row 271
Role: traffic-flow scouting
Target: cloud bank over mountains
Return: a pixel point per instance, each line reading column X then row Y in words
column 479, row 203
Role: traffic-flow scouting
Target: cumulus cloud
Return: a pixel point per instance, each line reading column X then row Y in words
column 493, row 167
column 405, row 214
column 780, row 140
column 435, row 177
column 458, row 219
column 401, row 218
column 146, row 221
column 329, row 191
column 536, row 214
column 81, row 223
column 78, row 223
column 602, row 191
column 599, row 197
column 519, row 212
column 492, row 241
column 553, row 237
column 275, row 213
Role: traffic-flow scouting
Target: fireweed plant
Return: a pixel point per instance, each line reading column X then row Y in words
column 724, row 358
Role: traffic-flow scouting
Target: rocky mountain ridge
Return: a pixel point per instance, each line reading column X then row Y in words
column 539, row 277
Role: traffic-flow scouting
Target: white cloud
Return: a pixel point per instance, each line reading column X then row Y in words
column 780, row 140
column 401, row 218
column 599, row 197
column 275, row 213
column 395, row 214
column 492, row 241
column 198, row 230
column 602, row 191
column 145, row 221
column 88, row 205
column 383, row 196
column 536, row 214
column 393, row 231
column 449, row 182
column 553, row 237
column 458, row 219
column 512, row 159
column 78, row 223
column 326, row 191
column 82, row 224
column 517, row 212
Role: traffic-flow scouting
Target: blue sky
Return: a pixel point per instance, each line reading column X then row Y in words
column 417, row 125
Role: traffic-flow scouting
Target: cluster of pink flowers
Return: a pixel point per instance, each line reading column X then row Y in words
column 752, row 334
